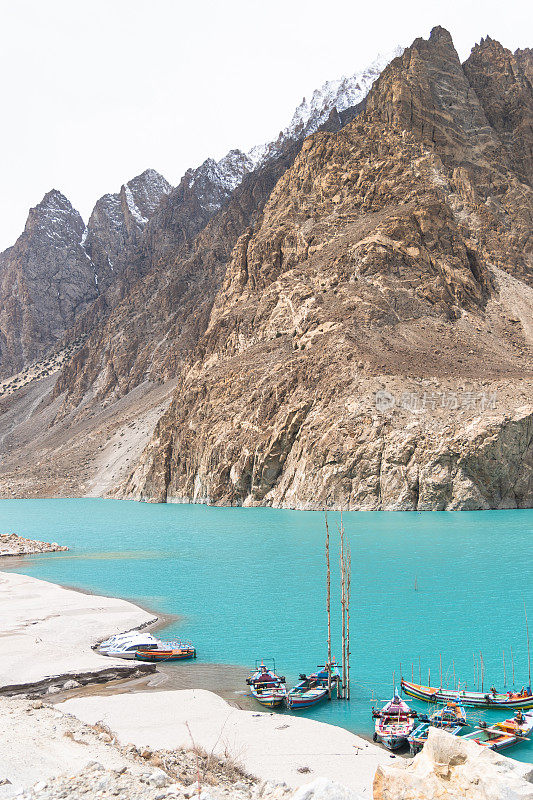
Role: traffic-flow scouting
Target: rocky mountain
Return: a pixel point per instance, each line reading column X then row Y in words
column 389, row 263
column 46, row 281
column 58, row 268
column 347, row 324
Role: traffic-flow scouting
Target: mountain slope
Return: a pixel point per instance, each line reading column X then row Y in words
column 365, row 351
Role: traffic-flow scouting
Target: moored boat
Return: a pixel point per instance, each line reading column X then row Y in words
column 451, row 718
column 492, row 699
column 394, row 723
column 167, row 651
column 503, row 734
column 127, row 648
column 267, row 687
column 311, row 689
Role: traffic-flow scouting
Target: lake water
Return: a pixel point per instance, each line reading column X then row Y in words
column 250, row 583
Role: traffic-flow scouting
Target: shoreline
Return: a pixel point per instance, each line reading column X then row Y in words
column 156, row 718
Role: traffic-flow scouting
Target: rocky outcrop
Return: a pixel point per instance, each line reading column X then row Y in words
column 506, row 96
column 13, row 545
column 525, row 58
column 448, row 768
column 46, row 281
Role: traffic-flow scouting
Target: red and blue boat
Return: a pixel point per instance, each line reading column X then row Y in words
column 311, row 690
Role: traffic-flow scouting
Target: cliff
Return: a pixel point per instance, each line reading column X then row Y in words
column 380, row 265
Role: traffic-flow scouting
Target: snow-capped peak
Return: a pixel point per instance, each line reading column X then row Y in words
column 337, row 94
column 216, row 180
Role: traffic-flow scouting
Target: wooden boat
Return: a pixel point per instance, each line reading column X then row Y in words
column 503, row 734
column 491, row 699
column 451, row 718
column 167, row 651
column 311, row 690
column 267, row 687
column 394, row 723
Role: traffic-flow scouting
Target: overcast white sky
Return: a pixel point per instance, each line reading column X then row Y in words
column 94, row 92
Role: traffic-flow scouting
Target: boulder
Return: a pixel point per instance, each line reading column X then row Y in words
column 449, row 768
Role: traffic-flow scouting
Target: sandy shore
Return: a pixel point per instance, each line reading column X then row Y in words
column 271, row 746
column 47, row 633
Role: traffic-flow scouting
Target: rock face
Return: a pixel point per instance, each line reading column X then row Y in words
column 448, row 768
column 46, row 281
column 371, row 270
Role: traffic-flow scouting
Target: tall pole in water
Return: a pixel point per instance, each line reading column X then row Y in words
column 343, row 609
column 528, row 650
column 328, row 603
column 453, row 662
column 419, row 672
column 482, row 668
column 512, row 661
column 412, row 673
column 348, row 591
column 504, row 676
column 440, row 658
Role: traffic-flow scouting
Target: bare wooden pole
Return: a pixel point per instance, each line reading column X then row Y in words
column 475, row 670
column 412, row 673
column 512, row 661
column 504, row 676
column 482, row 668
column 419, row 672
column 528, row 648
column 453, row 662
column 348, row 591
column 343, row 611
column 440, row 660
column 328, row 602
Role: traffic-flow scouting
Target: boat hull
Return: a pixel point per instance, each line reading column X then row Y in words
column 270, row 700
column 161, row 657
column 300, row 701
column 474, row 699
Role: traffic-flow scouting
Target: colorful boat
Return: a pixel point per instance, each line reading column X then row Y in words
column 492, row 699
column 451, row 718
column 311, row 690
column 394, row 723
column 503, row 734
column 267, row 687
column 166, row 651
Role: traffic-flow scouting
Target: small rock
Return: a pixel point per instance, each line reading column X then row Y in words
column 53, row 690
column 72, row 684
column 158, row 778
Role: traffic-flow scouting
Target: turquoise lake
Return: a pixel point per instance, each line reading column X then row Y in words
column 250, row 583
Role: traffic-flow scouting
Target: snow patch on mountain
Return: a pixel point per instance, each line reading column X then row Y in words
column 134, row 211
